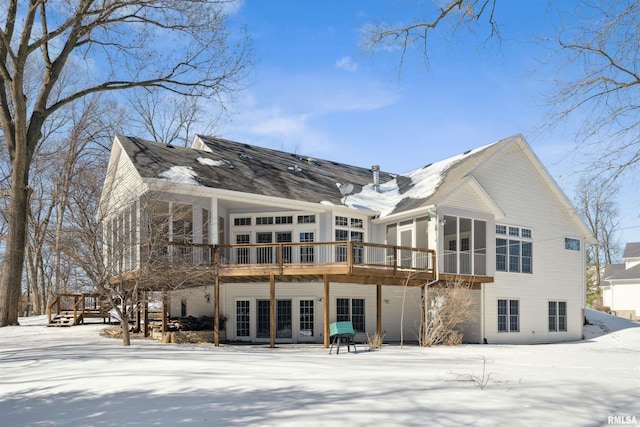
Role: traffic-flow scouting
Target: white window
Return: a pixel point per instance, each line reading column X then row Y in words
column 571, row 244
column 242, row 221
column 514, row 255
column 306, row 219
column 351, row 310
column 242, row 318
column 264, row 220
column 557, row 316
column 508, row 315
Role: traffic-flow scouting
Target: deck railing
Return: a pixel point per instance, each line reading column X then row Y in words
column 293, row 256
column 77, row 305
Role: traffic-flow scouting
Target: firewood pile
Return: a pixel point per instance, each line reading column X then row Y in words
column 190, row 323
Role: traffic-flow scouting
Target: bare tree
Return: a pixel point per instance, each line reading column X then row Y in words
column 455, row 14
column 595, row 203
column 599, row 82
column 449, row 307
column 182, row 46
column 170, row 118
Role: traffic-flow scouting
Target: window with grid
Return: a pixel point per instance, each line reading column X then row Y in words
column 242, row 254
column 306, row 219
column 357, row 314
column 306, row 252
column 508, row 315
column 264, row 220
column 306, row 318
column 342, row 221
column 501, row 254
column 242, row 221
column 358, row 250
column 284, row 219
column 341, row 251
column 283, row 318
column 264, row 254
column 285, row 237
column 242, row 318
column 557, row 316
column 262, row 319
column 351, row 310
column 342, row 310
column 514, row 255
column 357, row 223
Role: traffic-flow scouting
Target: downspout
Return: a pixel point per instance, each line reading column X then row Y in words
column 436, row 280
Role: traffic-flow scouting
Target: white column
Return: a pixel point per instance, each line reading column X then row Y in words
column 213, row 222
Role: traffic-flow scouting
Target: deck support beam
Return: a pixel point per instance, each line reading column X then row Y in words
column 326, row 310
column 272, row 311
column 165, row 312
column 145, row 307
column 379, row 310
column 216, row 311
column 138, row 311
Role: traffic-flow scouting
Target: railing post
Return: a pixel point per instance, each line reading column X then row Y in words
column 350, row 256
column 75, row 308
column 396, row 256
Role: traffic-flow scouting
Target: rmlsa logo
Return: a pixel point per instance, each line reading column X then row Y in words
column 622, row 419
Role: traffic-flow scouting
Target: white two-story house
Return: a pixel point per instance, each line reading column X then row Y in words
column 280, row 244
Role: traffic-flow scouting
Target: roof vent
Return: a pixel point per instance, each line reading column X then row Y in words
column 376, row 177
column 295, row 168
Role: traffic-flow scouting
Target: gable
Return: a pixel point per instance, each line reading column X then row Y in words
column 471, row 196
column 122, row 183
column 523, row 189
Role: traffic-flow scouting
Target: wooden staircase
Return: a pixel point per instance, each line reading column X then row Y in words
column 73, row 309
column 65, row 318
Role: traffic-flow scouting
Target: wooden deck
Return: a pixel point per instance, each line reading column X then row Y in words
column 350, row 262
column 171, row 265
column 73, row 309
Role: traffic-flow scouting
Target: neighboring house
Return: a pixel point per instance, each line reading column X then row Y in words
column 284, row 244
column 621, row 284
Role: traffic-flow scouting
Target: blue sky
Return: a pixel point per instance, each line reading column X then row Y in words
column 313, row 91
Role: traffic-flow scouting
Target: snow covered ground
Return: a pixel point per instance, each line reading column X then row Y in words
column 74, row 377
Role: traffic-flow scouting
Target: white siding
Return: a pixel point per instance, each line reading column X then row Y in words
column 468, row 199
column 625, row 296
column 232, row 292
column 472, row 331
column 518, row 188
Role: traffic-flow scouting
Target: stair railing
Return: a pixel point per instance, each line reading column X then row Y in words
column 50, row 313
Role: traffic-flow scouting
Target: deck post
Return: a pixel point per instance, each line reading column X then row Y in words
column 138, row 310
column 216, row 311
column 379, row 310
column 272, row 311
column 165, row 312
column 146, row 313
column 326, row 311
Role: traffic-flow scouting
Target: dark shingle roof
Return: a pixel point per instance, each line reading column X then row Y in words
column 611, row 270
column 250, row 169
column 618, row 272
column 631, row 250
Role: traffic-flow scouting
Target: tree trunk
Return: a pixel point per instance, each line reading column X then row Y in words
column 124, row 324
column 32, row 281
column 17, row 214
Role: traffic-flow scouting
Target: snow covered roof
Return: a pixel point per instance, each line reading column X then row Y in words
column 245, row 168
